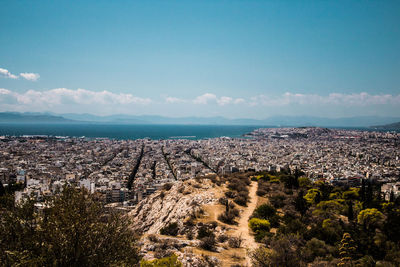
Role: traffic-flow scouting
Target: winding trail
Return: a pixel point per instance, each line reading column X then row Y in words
column 243, row 228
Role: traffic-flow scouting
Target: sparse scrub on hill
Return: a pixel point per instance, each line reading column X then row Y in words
column 167, row 186
column 207, row 237
column 230, row 213
column 235, row 242
column 238, row 188
column 230, row 194
column 171, row 229
column 222, row 238
column 208, row 242
column 171, row 261
column 204, row 231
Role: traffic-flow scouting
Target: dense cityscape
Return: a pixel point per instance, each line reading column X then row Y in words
column 122, row 172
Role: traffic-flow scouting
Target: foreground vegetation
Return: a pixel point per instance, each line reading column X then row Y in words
column 72, row 229
column 317, row 224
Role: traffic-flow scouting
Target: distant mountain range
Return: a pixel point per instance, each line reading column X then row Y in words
column 391, row 126
column 361, row 121
column 16, row 117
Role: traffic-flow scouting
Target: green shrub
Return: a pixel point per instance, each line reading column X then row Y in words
column 264, row 211
column 304, row 182
column 257, row 224
column 313, row 196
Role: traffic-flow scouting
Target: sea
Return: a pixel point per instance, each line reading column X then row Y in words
column 125, row 131
column 122, row 131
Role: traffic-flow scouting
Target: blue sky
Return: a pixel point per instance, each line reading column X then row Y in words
column 206, row 58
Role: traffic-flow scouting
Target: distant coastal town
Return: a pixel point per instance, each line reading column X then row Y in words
column 123, row 172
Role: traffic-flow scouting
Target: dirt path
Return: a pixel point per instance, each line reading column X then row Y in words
column 243, row 228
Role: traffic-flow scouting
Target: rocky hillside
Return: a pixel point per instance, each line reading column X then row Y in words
column 171, row 205
column 203, row 221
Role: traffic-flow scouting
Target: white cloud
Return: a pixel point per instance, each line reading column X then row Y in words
column 238, row 101
column 212, row 98
column 355, row 99
column 204, row 99
column 7, row 74
column 224, row 100
column 30, row 76
column 25, row 75
column 63, row 98
column 173, row 100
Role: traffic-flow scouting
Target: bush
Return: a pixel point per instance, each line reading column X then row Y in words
column 235, row 242
column 204, row 231
column 170, row 229
column 208, row 242
column 261, row 192
column 189, row 235
column 222, row 238
column 213, row 224
column 277, row 200
column 260, row 235
column 153, row 238
column 171, row 261
column 167, row 186
column 264, row 211
column 240, row 200
column 222, row 200
column 229, row 217
column 230, row 194
column 257, row 224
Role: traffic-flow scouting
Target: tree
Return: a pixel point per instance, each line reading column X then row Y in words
column 72, row 230
column 264, row 211
column 369, row 195
column 350, row 212
column 300, row 203
column 304, row 182
column 313, row 196
column 314, row 248
column 346, row 250
column 362, row 191
column 370, row 218
column 2, row 190
column 392, row 197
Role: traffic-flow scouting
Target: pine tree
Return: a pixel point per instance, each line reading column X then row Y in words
column 2, row 190
column 300, row 203
column 350, row 212
column 362, row 191
column 391, row 196
column 369, row 195
column 346, row 250
column 317, row 197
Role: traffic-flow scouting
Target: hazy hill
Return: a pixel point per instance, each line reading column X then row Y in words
column 295, row 121
column 15, row 117
column 360, row 121
column 391, row 126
